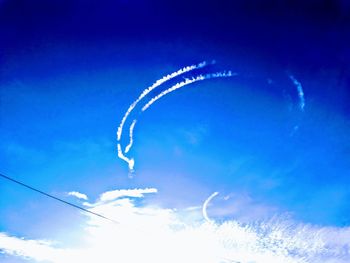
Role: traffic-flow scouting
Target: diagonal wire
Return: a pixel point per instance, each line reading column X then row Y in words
column 56, row 198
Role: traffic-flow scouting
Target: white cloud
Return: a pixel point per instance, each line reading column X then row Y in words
column 78, row 195
column 38, row 250
column 152, row 234
column 111, row 195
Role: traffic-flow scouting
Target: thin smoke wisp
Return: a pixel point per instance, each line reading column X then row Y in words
column 300, row 92
column 205, row 206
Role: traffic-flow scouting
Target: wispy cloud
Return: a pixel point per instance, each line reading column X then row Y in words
column 78, row 195
column 147, row 233
column 115, row 194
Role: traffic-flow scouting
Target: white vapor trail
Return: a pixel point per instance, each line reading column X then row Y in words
column 130, row 161
column 300, row 92
column 159, row 82
column 205, row 205
column 178, row 85
column 131, row 135
column 186, row 82
column 152, row 87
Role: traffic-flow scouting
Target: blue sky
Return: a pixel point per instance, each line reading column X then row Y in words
column 64, row 90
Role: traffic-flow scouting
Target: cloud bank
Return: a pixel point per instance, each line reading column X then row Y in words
column 147, row 233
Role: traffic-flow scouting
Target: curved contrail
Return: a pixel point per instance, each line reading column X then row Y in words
column 205, row 205
column 152, row 87
column 300, row 92
column 131, row 162
column 131, row 136
column 159, row 82
column 187, row 82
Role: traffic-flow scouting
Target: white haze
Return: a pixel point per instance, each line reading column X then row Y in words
column 148, row 233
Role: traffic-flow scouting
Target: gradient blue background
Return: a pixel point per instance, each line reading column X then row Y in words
column 70, row 69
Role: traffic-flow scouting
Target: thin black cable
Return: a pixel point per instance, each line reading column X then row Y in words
column 56, row 198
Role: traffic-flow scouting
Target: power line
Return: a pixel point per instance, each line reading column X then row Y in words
column 56, row 198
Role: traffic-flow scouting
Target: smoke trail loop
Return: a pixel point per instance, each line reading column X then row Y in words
column 205, row 206
column 152, row 87
column 186, row 81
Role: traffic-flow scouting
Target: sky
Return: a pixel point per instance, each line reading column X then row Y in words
column 252, row 166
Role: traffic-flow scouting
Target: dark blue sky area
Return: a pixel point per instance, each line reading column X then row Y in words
column 301, row 32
